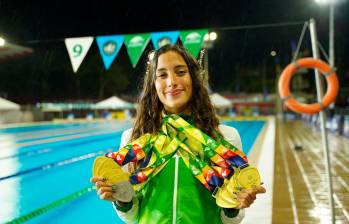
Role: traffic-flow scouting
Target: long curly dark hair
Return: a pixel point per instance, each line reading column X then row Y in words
column 149, row 110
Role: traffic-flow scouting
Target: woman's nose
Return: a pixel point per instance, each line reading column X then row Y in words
column 172, row 80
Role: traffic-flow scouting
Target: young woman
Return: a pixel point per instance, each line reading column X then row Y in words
column 173, row 84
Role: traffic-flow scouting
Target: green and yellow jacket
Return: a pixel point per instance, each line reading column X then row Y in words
column 176, row 196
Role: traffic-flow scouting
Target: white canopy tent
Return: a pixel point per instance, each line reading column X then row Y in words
column 219, row 101
column 8, row 105
column 114, row 103
column 9, row 112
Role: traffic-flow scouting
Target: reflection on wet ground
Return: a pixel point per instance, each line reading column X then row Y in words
column 300, row 186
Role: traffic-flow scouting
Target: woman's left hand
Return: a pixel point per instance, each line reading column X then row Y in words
column 246, row 197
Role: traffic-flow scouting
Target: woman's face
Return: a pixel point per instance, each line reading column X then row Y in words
column 173, row 82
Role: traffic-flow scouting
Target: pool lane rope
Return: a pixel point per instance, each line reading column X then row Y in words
column 52, row 205
column 290, row 71
column 58, row 164
column 63, row 200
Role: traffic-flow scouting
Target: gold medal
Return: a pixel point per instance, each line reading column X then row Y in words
column 109, row 169
column 225, row 199
column 245, row 178
column 248, row 177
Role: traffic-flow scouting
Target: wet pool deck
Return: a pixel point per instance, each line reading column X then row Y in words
column 300, row 185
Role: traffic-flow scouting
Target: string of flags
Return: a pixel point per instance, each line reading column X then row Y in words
column 109, row 46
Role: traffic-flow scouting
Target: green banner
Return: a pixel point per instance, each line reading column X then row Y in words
column 192, row 40
column 135, row 44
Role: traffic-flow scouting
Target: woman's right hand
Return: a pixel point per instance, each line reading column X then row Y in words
column 104, row 190
column 120, row 193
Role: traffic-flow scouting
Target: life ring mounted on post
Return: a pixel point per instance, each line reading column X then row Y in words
column 291, row 69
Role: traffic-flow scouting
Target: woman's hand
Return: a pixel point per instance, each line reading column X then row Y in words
column 104, row 190
column 246, row 197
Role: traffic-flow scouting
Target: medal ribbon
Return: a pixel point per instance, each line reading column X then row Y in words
column 210, row 161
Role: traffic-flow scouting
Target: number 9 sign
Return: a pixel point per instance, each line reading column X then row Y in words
column 77, row 50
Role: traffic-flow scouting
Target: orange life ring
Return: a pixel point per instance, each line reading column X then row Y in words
column 325, row 69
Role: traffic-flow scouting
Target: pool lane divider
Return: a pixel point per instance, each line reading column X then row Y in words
column 44, row 209
column 57, row 135
column 65, row 138
column 50, row 149
column 59, row 163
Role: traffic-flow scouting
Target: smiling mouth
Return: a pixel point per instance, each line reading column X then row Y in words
column 174, row 92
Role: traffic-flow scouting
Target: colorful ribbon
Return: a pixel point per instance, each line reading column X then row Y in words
column 210, row 161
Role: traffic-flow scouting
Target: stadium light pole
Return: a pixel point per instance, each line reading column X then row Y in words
column 209, row 38
column 322, row 116
column 331, row 4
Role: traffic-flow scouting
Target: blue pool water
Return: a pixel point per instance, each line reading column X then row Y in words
column 248, row 131
column 45, row 163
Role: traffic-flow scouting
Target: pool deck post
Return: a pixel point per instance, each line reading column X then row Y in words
column 322, row 115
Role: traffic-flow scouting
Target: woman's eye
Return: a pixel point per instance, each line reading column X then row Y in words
column 161, row 75
column 182, row 72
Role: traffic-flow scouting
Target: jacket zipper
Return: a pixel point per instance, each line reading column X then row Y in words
column 174, row 213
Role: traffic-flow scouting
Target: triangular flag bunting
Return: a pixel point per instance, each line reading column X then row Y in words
column 135, row 44
column 109, row 47
column 192, row 40
column 77, row 50
column 160, row 39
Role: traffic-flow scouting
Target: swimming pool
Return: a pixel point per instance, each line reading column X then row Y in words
column 45, row 170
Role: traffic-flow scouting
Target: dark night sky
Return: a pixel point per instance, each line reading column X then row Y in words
column 44, row 25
